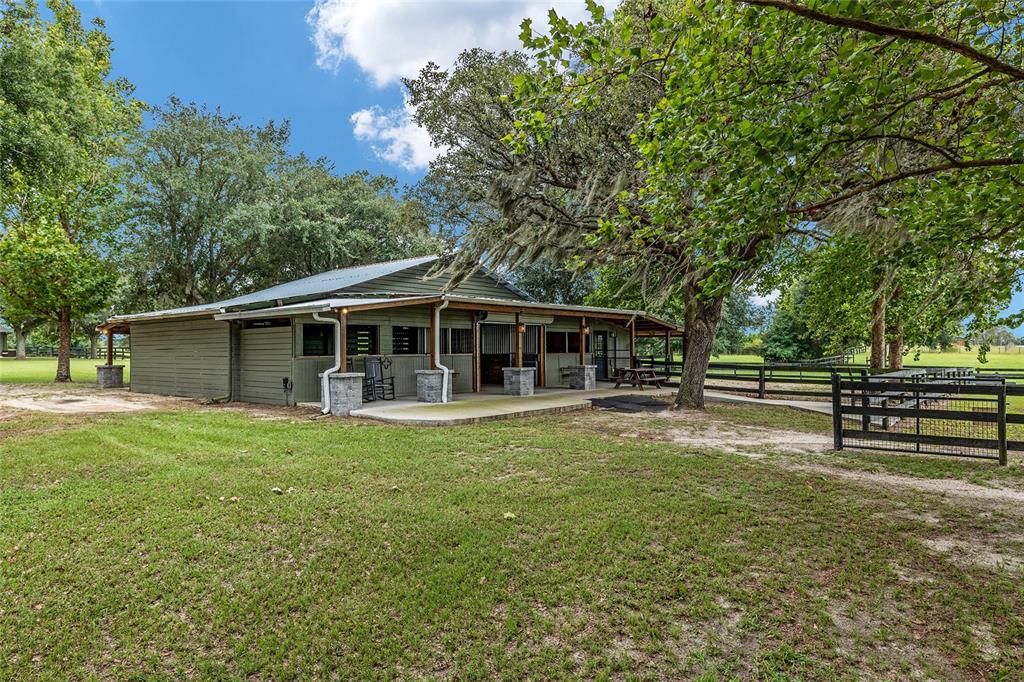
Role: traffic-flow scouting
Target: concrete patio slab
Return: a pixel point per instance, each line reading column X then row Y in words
column 470, row 408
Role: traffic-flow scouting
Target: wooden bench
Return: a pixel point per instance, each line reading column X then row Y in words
column 638, row 377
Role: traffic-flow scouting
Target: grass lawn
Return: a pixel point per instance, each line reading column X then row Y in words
column 42, row 370
column 153, row 545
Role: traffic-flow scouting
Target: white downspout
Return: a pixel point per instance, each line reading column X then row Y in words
column 325, row 382
column 437, row 350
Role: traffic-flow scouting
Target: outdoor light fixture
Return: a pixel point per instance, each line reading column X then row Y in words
column 586, row 330
column 520, row 328
column 344, row 311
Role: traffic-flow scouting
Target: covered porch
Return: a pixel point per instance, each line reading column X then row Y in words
column 440, row 348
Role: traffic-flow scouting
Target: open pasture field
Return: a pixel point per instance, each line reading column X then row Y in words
column 962, row 358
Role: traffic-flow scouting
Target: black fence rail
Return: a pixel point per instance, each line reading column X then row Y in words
column 807, row 381
column 950, row 412
column 810, row 381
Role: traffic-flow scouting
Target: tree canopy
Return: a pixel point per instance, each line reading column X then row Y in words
column 56, row 165
column 215, row 208
column 750, row 132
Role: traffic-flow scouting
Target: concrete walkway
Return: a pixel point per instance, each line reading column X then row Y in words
column 469, row 408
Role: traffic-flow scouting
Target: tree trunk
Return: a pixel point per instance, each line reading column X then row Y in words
column 701, row 322
column 19, row 344
column 896, row 347
column 878, row 331
column 94, row 340
column 64, row 348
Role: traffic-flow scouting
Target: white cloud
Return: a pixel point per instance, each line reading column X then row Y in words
column 393, row 39
column 771, row 297
column 394, row 136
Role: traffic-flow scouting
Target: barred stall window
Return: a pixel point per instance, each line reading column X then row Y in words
column 317, row 339
column 362, row 340
column 456, row 341
column 409, row 340
column 573, row 341
column 555, row 342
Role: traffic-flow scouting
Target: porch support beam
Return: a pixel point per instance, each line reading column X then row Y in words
column 632, row 342
column 542, row 350
column 477, row 379
column 519, row 340
column 668, row 345
column 343, row 340
column 434, row 340
column 110, row 347
column 583, row 340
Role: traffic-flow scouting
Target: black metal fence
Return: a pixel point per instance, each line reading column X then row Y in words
column 939, row 412
column 50, row 351
column 799, row 380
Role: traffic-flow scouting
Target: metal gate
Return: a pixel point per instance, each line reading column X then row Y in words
column 934, row 412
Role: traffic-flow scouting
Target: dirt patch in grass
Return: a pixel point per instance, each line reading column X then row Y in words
column 973, row 553
column 71, row 399
column 941, row 486
column 716, row 431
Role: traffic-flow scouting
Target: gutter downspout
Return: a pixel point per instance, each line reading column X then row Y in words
column 325, row 382
column 437, row 349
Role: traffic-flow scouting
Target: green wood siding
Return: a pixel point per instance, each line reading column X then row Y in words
column 266, row 359
column 412, row 281
column 185, row 358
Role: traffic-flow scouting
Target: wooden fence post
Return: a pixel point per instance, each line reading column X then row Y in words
column 864, row 401
column 837, row 412
column 1001, row 423
column 760, row 383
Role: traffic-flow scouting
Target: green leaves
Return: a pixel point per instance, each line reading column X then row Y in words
column 57, row 175
column 216, row 208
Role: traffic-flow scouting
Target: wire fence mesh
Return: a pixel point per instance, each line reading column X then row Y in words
column 962, row 417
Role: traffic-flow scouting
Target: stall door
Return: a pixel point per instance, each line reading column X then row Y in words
column 265, row 365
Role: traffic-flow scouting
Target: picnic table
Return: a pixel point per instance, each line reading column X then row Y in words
column 638, row 377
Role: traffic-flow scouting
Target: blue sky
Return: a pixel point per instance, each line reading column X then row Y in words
column 256, row 60
column 331, row 67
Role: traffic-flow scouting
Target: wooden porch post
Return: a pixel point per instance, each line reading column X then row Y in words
column 519, row 340
column 434, row 331
column 110, row 347
column 542, row 350
column 343, row 340
column 477, row 379
column 583, row 340
column 632, row 341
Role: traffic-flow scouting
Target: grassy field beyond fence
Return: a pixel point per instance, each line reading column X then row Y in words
column 43, row 370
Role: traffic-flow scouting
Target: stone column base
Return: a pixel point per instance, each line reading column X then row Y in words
column 583, row 377
column 428, row 385
column 346, row 392
column 110, row 376
column 518, row 380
